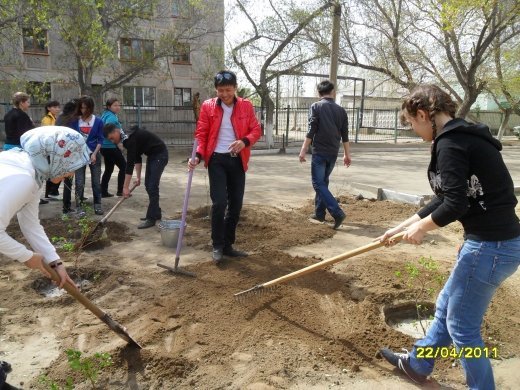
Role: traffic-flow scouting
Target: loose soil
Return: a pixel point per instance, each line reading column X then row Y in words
column 321, row 330
column 67, row 230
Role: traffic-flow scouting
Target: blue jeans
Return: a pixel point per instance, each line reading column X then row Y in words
column 10, row 146
column 95, row 175
column 480, row 269
column 321, row 168
column 155, row 165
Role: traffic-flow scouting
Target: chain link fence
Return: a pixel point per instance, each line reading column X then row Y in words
column 176, row 125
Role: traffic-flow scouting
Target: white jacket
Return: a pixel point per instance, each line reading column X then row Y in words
column 20, row 195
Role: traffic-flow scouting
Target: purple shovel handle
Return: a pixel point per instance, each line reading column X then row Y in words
column 185, row 207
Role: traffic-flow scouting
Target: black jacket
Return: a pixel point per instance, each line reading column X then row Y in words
column 471, row 183
column 17, row 122
column 138, row 142
column 328, row 124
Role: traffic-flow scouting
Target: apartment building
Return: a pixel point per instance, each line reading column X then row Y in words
column 40, row 62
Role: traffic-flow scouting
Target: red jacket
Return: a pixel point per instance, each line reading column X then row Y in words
column 244, row 123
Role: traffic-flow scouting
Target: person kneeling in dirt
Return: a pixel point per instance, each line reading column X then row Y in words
column 472, row 185
column 226, row 130
column 137, row 142
column 50, row 152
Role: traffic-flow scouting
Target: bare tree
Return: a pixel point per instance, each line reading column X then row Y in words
column 505, row 88
column 374, row 34
column 465, row 32
column 413, row 41
column 274, row 46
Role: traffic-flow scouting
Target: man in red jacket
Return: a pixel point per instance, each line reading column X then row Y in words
column 226, row 130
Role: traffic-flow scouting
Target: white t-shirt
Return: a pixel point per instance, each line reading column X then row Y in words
column 86, row 126
column 226, row 134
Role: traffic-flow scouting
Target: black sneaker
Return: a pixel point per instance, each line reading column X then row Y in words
column 6, row 367
column 402, row 362
column 231, row 252
column 107, row 195
column 43, row 201
column 147, row 223
column 119, row 193
column 217, row 255
column 338, row 221
column 316, row 218
column 67, row 210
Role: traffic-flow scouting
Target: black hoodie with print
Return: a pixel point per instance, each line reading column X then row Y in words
column 471, row 183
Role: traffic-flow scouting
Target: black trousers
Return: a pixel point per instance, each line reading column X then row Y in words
column 155, row 165
column 67, row 192
column 51, row 188
column 227, row 181
column 113, row 157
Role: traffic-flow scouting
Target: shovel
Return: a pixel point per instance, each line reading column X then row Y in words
column 104, row 220
column 112, row 324
column 176, row 269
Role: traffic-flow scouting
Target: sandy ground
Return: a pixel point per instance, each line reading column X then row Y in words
column 321, row 331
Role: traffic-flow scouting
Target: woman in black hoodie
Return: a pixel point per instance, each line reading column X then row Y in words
column 472, row 185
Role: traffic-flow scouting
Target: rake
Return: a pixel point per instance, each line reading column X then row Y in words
column 176, row 269
column 262, row 288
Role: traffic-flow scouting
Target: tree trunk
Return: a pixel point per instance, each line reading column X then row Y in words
column 269, row 122
column 84, row 78
column 267, row 110
column 504, row 123
column 469, row 98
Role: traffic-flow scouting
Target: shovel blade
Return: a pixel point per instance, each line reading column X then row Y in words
column 120, row 331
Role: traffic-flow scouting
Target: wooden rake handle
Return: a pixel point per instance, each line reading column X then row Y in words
column 333, row 260
column 109, row 214
column 72, row 290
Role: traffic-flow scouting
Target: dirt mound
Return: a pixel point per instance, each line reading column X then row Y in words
column 195, row 334
column 261, row 228
column 193, row 330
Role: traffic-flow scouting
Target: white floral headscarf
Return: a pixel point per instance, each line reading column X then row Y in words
column 54, row 151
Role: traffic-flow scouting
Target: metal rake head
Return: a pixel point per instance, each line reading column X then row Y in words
column 253, row 292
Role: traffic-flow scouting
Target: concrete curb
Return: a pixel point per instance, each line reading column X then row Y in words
column 369, row 191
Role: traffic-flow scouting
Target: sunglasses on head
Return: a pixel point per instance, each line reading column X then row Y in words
column 220, row 77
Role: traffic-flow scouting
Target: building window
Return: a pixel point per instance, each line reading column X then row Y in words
column 179, row 8
column 35, row 41
column 139, row 96
column 182, row 97
column 135, row 49
column 181, row 53
column 40, row 92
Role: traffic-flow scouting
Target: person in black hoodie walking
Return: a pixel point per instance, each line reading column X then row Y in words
column 472, row 185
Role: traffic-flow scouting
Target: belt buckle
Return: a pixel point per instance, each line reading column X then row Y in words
column 233, row 154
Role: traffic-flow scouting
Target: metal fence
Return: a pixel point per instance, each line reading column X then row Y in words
column 176, row 125
column 367, row 125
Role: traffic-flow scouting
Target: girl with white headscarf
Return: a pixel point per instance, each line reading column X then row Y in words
column 50, row 152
